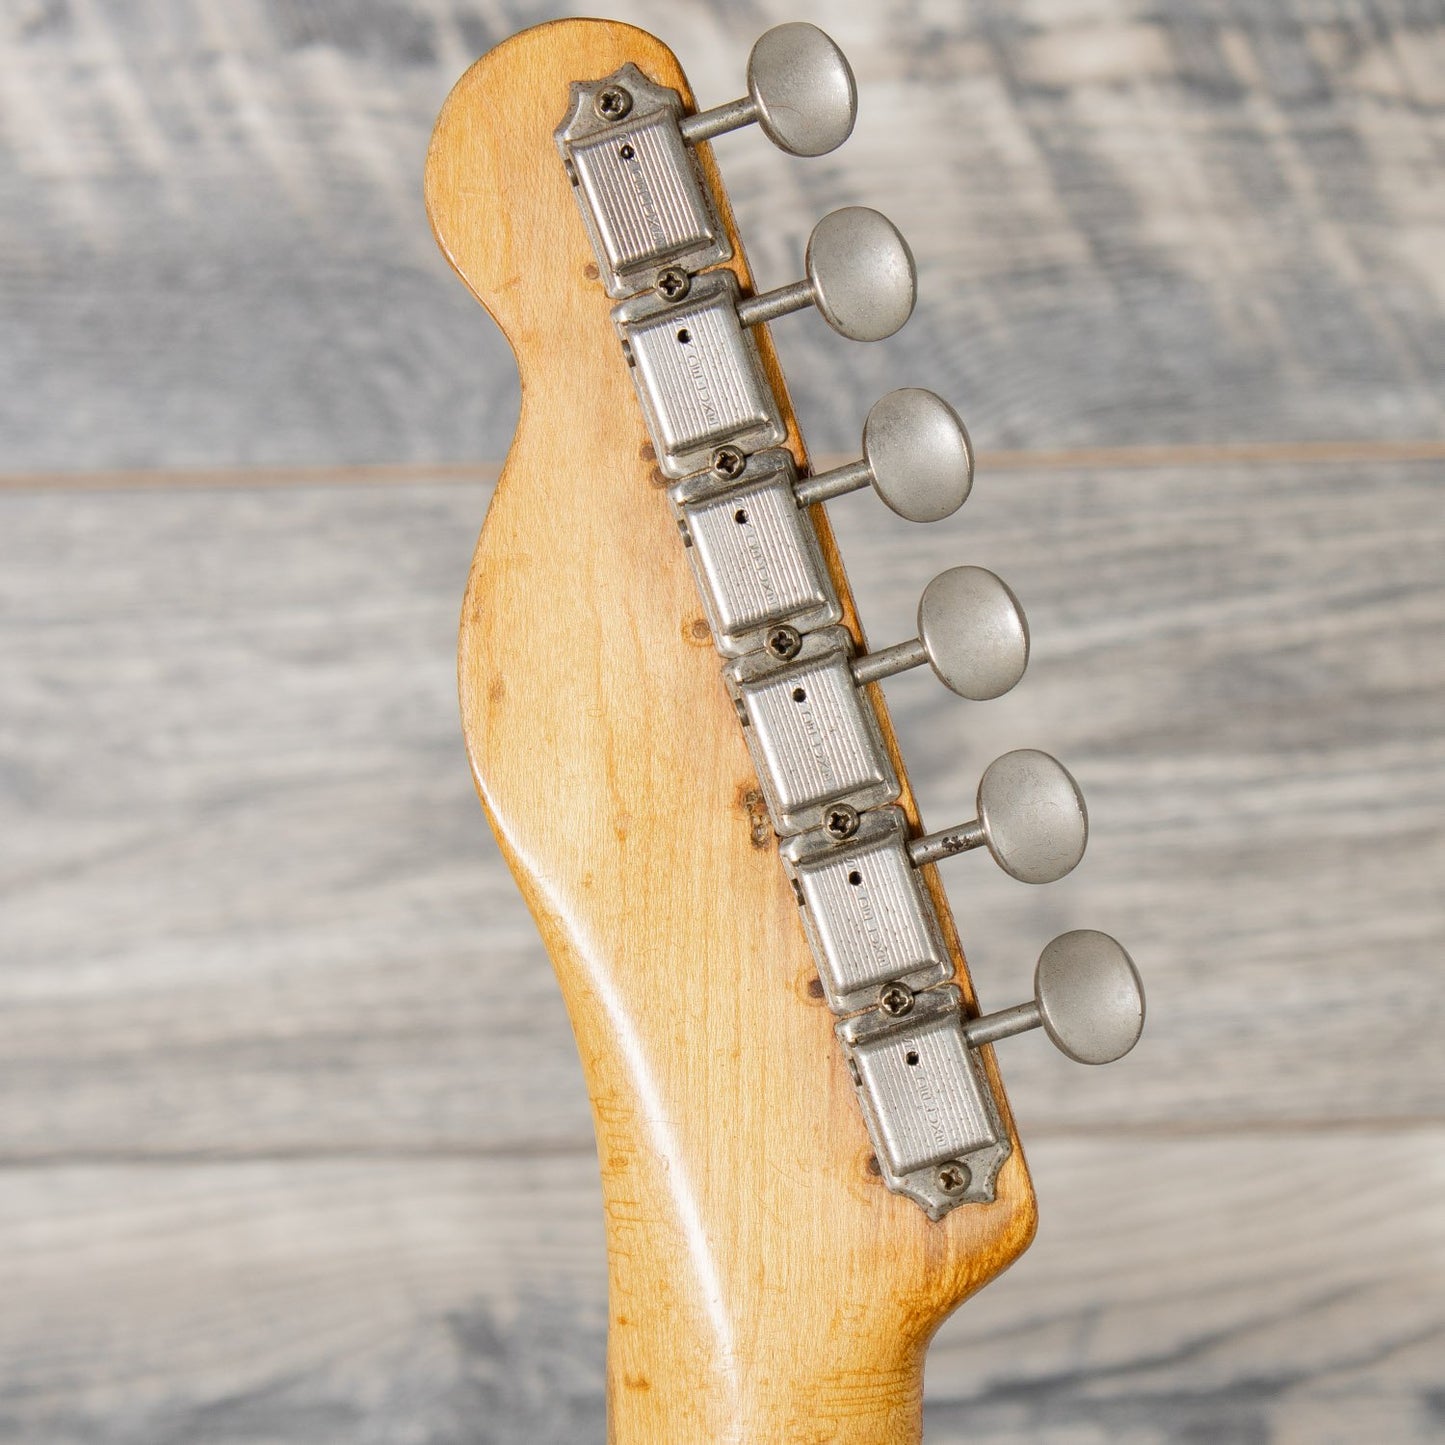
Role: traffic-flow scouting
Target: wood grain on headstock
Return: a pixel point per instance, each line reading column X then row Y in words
column 764, row 1285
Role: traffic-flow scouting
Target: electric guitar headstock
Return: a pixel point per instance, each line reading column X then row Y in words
column 678, row 733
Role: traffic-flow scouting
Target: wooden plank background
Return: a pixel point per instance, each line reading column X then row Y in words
column 293, row 1146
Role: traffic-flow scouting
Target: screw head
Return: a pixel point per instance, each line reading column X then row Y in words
column 953, row 1177
column 841, row 821
column 728, row 462
column 895, row 999
column 784, row 642
column 673, row 283
column 612, row 102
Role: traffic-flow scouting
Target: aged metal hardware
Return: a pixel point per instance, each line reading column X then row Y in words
column 783, row 641
column 860, row 276
column 927, row 1102
column 697, row 375
column 800, row 91
column 642, row 196
column 865, row 911
column 755, row 554
column 971, row 631
column 814, row 737
column 916, row 456
column 1087, row 998
column 1031, row 817
column 796, row 683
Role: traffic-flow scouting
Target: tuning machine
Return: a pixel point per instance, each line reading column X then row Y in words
column 930, row 1117
column 813, row 735
column 864, row 906
column 629, row 151
column 753, row 550
column 693, row 357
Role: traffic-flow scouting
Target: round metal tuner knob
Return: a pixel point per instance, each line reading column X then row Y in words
column 1033, row 815
column 803, row 89
column 916, row 456
column 1089, row 995
column 974, row 632
column 919, row 454
column 861, row 273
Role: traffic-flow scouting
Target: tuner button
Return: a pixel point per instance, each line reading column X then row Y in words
column 1090, row 998
column 861, row 278
column 1087, row 997
column 916, row 456
column 974, row 631
column 919, row 454
column 862, row 274
column 803, row 88
column 1033, row 815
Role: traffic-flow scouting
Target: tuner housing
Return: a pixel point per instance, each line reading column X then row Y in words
column 814, row 736
column 754, row 553
column 643, row 199
column 866, row 912
column 697, row 374
column 928, row 1107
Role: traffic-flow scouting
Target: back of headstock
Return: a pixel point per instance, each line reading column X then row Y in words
column 774, row 1272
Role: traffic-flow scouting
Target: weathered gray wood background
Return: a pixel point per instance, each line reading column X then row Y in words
column 293, row 1146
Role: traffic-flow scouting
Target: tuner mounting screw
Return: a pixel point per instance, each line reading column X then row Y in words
column 841, row 821
column 612, row 102
column 895, row 999
column 728, row 462
column 784, row 642
column 673, row 283
column 953, row 1178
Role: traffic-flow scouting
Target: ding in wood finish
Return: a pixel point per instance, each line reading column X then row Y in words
column 764, row 1285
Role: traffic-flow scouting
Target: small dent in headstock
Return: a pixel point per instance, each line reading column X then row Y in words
column 648, row 452
column 697, row 631
column 760, row 828
column 591, row 272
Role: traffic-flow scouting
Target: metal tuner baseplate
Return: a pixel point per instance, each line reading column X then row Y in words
column 641, row 194
column 697, row 374
column 754, row 553
column 813, row 735
column 866, row 913
column 929, row 1109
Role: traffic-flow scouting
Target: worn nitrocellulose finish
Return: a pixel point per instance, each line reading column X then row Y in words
column 763, row 1284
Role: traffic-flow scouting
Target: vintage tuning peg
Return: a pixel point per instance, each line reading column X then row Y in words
column 1087, row 997
column 972, row 633
column 800, row 90
column 1031, row 817
column 861, row 277
column 916, row 456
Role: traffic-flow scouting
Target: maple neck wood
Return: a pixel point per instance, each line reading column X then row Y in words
column 763, row 1285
